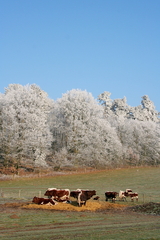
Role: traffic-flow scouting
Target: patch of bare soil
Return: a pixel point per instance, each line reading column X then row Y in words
column 10, row 207
column 147, row 208
column 14, row 216
column 14, row 204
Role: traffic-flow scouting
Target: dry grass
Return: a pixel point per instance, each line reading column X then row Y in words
column 90, row 206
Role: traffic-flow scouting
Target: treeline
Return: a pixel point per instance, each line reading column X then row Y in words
column 75, row 131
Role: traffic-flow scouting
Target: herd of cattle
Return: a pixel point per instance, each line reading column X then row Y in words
column 63, row 195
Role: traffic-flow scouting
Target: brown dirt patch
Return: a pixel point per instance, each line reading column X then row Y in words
column 14, row 216
column 14, row 204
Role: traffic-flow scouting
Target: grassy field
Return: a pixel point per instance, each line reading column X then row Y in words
column 145, row 181
column 33, row 224
column 17, row 222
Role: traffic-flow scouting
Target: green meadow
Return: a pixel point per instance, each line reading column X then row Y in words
column 18, row 223
column 144, row 180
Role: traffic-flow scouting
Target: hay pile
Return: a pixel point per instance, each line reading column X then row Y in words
column 90, row 206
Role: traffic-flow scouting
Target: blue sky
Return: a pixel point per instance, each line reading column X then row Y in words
column 93, row 45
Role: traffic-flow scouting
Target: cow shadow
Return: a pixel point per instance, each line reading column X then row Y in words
column 73, row 203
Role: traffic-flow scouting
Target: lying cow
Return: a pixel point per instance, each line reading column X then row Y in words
column 111, row 195
column 42, row 201
column 59, row 195
column 82, row 195
column 128, row 193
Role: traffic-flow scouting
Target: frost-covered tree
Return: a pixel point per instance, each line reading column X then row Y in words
column 106, row 102
column 136, row 127
column 144, row 112
column 104, row 147
column 25, row 131
column 76, row 130
column 149, row 110
column 119, row 107
column 104, row 99
column 73, row 112
column 80, row 128
column 113, row 108
column 140, row 141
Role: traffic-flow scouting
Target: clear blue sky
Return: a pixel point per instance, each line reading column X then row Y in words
column 93, row 45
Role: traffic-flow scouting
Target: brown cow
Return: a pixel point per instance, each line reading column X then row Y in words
column 42, row 201
column 59, row 195
column 82, row 195
column 111, row 195
column 75, row 193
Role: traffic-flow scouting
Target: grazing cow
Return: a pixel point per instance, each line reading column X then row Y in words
column 42, row 201
column 82, row 195
column 59, row 195
column 133, row 196
column 111, row 195
column 122, row 195
column 128, row 193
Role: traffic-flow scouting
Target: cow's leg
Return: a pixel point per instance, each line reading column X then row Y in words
column 125, row 199
column 78, row 203
column 79, row 199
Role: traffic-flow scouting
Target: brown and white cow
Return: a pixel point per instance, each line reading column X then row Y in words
column 111, row 195
column 42, row 201
column 59, row 195
column 128, row 193
column 82, row 195
column 134, row 196
column 128, row 190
